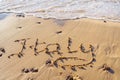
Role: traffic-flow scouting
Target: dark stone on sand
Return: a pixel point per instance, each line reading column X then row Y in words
column 73, row 68
column 58, row 32
column 48, row 62
column 20, row 15
column 109, row 70
column 69, row 77
column 33, row 70
column 38, row 22
column 105, row 21
column 19, row 27
column 2, row 50
column 0, row 55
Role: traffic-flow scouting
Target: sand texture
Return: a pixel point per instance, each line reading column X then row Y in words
column 48, row 49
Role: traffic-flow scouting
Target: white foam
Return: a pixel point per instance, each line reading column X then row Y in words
column 64, row 9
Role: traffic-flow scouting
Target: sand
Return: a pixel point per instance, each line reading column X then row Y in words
column 48, row 49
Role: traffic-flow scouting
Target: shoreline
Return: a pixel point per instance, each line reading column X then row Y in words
column 101, row 19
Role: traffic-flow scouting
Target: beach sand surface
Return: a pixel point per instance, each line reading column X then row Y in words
column 28, row 43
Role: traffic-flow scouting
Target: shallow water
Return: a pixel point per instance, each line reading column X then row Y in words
column 3, row 15
column 64, row 9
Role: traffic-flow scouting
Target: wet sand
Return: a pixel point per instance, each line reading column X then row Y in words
column 48, row 49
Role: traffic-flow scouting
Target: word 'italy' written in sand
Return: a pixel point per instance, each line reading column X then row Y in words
column 47, row 50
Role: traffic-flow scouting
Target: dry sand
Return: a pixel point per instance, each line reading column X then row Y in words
column 59, row 49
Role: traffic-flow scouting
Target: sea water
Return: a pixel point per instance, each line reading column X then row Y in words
column 64, row 9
